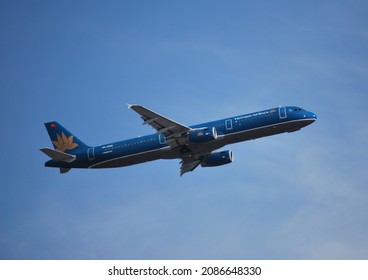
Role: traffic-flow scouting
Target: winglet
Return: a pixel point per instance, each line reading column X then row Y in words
column 131, row 105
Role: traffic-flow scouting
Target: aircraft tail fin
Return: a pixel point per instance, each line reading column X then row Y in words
column 63, row 141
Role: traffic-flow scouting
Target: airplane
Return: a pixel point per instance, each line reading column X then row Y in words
column 193, row 145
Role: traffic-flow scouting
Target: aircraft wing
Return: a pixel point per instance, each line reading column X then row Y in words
column 188, row 164
column 170, row 129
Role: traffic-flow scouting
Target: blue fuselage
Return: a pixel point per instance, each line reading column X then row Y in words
column 229, row 130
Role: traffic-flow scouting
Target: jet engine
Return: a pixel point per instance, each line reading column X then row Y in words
column 217, row 158
column 202, row 135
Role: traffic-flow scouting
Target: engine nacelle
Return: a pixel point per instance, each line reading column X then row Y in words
column 217, row 158
column 202, row 135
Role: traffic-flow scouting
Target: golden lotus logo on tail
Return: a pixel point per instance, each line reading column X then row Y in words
column 64, row 143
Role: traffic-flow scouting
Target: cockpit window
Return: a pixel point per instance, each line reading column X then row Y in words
column 296, row 109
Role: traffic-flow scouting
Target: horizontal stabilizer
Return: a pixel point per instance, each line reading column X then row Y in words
column 58, row 156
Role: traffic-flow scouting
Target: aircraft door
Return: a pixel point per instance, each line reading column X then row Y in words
column 282, row 112
column 229, row 124
column 91, row 153
column 162, row 139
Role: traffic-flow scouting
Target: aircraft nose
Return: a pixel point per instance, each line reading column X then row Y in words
column 310, row 115
column 313, row 115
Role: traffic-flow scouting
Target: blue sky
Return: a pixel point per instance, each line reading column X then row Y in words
column 292, row 196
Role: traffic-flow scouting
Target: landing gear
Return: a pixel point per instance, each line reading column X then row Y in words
column 185, row 150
